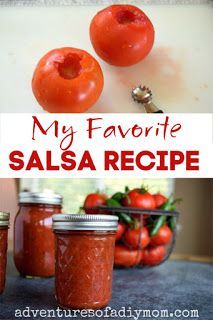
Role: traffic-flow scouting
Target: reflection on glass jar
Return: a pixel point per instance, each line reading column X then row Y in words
column 34, row 246
column 4, row 225
column 84, row 260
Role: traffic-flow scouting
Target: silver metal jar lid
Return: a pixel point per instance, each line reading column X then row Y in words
column 4, row 219
column 85, row 222
column 40, row 198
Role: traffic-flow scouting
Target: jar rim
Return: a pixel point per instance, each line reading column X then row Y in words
column 40, row 198
column 4, row 219
column 85, row 222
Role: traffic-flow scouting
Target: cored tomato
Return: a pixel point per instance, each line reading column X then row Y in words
column 92, row 201
column 163, row 236
column 67, row 80
column 137, row 238
column 125, row 257
column 160, row 199
column 153, row 255
column 122, row 35
column 120, row 231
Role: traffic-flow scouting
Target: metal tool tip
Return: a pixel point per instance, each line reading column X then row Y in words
column 142, row 94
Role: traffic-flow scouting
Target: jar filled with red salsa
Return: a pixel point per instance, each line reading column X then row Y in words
column 84, row 259
column 34, row 244
column 4, row 225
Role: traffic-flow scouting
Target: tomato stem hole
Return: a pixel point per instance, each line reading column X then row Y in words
column 125, row 16
column 70, row 68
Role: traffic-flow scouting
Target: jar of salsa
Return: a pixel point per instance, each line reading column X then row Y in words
column 84, row 259
column 34, row 243
column 4, row 225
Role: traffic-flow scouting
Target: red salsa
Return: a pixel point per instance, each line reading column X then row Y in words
column 34, row 244
column 4, row 223
column 84, row 260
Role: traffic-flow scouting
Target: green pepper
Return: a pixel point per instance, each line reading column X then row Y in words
column 125, row 218
column 118, row 196
column 157, row 224
column 112, row 203
column 170, row 204
column 172, row 222
column 122, row 215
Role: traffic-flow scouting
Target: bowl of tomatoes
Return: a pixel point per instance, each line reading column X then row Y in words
column 147, row 225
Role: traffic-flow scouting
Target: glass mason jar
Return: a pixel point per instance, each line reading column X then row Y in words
column 84, row 259
column 34, row 243
column 4, row 225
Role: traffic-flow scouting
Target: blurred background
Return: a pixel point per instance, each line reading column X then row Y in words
column 195, row 228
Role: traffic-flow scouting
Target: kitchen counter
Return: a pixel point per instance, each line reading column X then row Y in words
column 173, row 285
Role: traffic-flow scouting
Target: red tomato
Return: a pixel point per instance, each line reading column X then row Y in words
column 93, row 200
column 125, row 257
column 137, row 238
column 120, row 230
column 122, row 35
column 159, row 199
column 164, row 236
column 138, row 199
column 67, row 80
column 153, row 255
